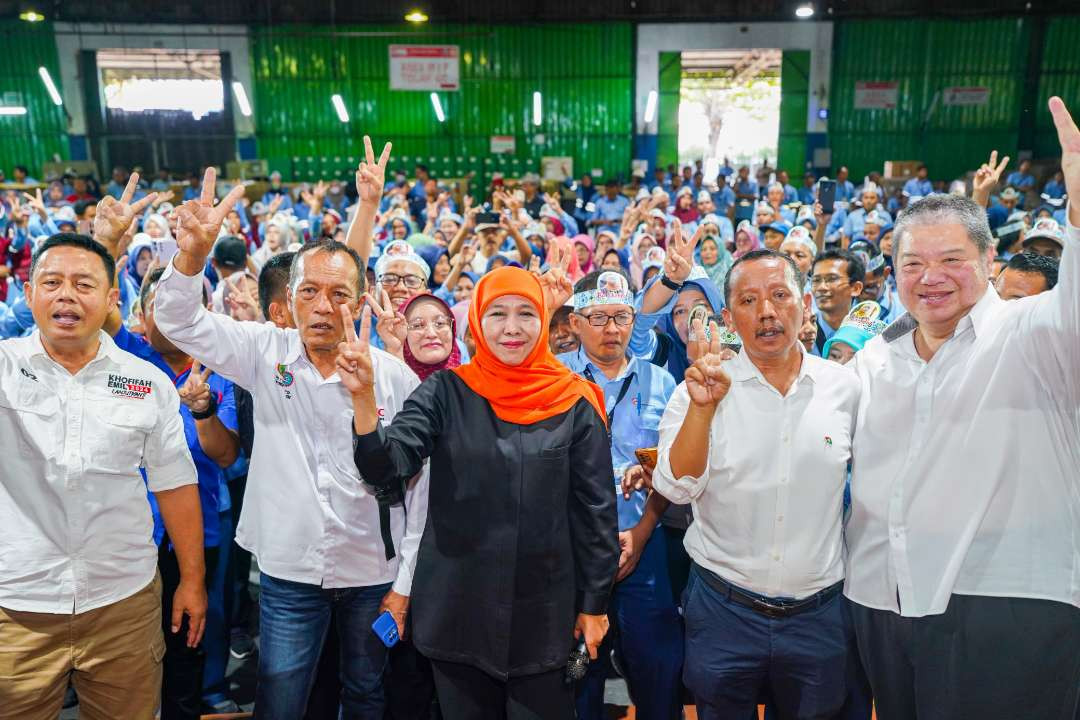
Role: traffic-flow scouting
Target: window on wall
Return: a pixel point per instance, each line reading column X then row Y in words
column 729, row 107
column 167, row 80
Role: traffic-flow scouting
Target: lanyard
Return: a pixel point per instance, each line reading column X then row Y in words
column 622, row 393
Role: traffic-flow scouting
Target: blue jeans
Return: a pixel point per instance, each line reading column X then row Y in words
column 647, row 636
column 733, row 653
column 293, row 620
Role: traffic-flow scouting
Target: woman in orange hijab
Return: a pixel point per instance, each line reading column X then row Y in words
column 520, row 547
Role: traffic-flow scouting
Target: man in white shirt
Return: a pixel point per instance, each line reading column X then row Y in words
column 325, row 545
column 759, row 447
column 963, row 560
column 79, row 590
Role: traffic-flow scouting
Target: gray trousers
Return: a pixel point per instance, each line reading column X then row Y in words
column 984, row 658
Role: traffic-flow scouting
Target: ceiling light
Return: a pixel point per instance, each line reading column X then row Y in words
column 50, row 86
column 31, row 16
column 339, row 106
column 12, row 110
column 538, row 114
column 438, row 107
column 650, row 107
column 244, row 104
column 417, row 16
column 804, row 11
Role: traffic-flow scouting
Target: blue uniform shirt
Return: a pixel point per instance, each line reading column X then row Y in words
column 1020, row 181
column 918, row 188
column 636, row 420
column 723, row 198
column 610, row 210
column 806, row 195
column 1054, row 189
column 213, row 492
column 845, row 191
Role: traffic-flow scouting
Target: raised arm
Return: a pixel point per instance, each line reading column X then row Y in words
column 986, row 179
column 221, row 343
column 370, row 176
column 115, row 218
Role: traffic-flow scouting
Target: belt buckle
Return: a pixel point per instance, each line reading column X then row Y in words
column 768, row 609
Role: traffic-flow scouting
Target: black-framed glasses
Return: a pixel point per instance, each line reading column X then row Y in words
column 412, row 282
column 599, row 319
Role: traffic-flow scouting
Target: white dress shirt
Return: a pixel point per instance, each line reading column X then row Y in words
column 966, row 474
column 307, row 516
column 75, row 526
column 768, row 508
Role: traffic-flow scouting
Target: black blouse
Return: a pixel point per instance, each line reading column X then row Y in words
column 521, row 532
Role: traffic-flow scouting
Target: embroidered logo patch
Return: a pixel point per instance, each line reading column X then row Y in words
column 129, row 387
column 284, row 378
column 27, row 374
column 828, row 441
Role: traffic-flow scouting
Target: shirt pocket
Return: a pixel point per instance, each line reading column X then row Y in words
column 115, row 436
column 39, row 427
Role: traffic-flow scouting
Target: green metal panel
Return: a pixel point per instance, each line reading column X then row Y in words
column 38, row 136
column 584, row 73
column 922, row 57
column 794, row 106
column 667, row 108
column 1059, row 75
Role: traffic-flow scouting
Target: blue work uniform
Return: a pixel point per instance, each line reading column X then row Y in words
column 723, row 198
column 918, row 188
column 646, row 630
column 610, row 210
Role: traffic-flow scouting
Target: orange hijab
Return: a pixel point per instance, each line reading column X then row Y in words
column 541, row 386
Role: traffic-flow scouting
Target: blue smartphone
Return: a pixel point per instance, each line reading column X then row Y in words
column 385, row 627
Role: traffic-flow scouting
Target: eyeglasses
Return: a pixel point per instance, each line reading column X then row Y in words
column 412, row 282
column 601, row 319
column 438, row 325
column 819, row 280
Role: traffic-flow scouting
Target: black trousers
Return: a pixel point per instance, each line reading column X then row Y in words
column 466, row 693
column 984, row 658
column 182, row 670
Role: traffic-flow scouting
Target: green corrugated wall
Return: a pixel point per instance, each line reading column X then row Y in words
column 924, row 56
column 1059, row 74
column 667, row 111
column 584, row 72
column 34, row 138
column 794, row 106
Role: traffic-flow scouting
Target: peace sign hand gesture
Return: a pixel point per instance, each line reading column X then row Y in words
column 37, row 203
column 555, row 282
column 706, row 381
column 371, row 175
column 987, row 176
column 195, row 392
column 114, row 217
column 390, row 324
column 199, row 222
column 1069, row 137
column 354, row 354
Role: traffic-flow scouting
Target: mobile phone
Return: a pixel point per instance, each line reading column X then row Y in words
column 386, row 629
column 647, row 457
column 163, row 251
column 827, row 196
column 487, row 218
column 703, row 313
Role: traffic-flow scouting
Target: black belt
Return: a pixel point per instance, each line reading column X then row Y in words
column 768, row 607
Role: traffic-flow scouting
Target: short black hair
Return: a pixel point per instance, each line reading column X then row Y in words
column 75, row 240
column 856, row 270
column 23, row 168
column 795, row 274
column 1032, row 263
column 80, row 207
column 421, row 167
column 560, row 316
column 611, row 182
column 331, row 247
column 273, row 280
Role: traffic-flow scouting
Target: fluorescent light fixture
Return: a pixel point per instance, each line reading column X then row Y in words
column 12, row 110
column 31, row 16
column 417, row 16
column 538, row 110
column 242, row 99
column 339, row 106
column 50, row 86
column 438, row 107
column 804, row 11
column 650, row 107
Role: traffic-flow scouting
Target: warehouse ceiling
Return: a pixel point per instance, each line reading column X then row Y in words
column 272, row 12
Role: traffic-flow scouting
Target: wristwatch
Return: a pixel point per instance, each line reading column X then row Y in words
column 210, row 411
column 670, row 284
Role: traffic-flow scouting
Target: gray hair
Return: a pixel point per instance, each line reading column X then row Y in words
column 941, row 209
